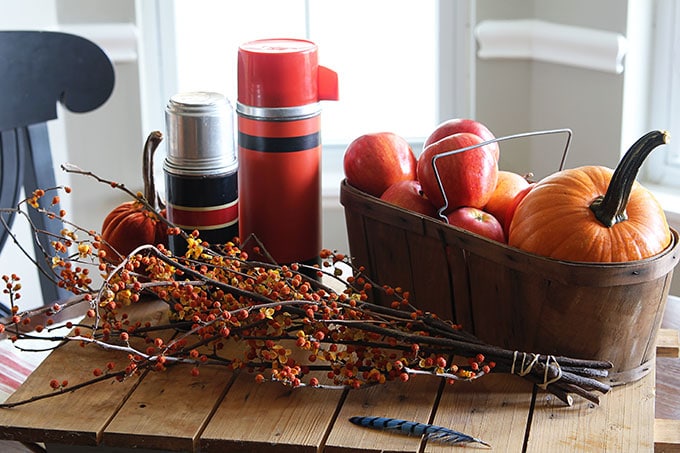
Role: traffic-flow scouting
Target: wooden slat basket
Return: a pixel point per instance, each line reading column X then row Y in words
column 510, row 298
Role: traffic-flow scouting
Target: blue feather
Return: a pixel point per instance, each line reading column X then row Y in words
column 430, row 432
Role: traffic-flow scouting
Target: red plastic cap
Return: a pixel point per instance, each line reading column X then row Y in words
column 283, row 73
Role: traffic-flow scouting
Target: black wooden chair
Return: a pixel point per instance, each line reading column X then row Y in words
column 37, row 70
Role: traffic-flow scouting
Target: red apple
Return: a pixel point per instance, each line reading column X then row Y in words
column 409, row 195
column 509, row 184
column 373, row 162
column 477, row 221
column 468, row 178
column 512, row 207
column 457, row 125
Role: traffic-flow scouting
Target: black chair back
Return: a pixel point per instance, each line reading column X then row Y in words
column 37, row 70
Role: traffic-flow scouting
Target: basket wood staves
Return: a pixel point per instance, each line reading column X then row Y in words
column 510, row 298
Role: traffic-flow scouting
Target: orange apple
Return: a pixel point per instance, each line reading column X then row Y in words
column 512, row 207
column 509, row 184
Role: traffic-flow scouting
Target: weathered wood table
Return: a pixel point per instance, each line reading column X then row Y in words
column 224, row 411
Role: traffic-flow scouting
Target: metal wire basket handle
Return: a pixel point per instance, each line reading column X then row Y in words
column 566, row 131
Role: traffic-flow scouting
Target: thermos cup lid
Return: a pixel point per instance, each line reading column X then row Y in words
column 283, row 73
column 200, row 130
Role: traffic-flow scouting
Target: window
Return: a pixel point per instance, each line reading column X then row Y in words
column 663, row 167
column 384, row 56
column 393, row 72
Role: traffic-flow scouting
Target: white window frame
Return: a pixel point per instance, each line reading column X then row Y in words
column 663, row 166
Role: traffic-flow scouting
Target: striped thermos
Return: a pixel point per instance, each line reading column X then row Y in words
column 201, row 168
column 280, row 85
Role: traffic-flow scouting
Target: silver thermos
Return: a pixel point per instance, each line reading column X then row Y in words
column 201, row 168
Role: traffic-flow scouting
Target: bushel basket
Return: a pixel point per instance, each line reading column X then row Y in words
column 510, row 298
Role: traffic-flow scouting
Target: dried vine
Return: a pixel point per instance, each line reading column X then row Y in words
column 217, row 295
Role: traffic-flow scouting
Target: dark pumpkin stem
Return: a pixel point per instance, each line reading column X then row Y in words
column 152, row 141
column 610, row 209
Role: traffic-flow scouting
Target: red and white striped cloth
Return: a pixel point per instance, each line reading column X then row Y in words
column 15, row 367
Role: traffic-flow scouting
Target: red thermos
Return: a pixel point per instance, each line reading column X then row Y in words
column 280, row 84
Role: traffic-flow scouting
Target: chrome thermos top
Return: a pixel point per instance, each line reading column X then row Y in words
column 200, row 134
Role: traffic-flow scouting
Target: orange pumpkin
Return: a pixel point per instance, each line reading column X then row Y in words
column 594, row 214
column 133, row 224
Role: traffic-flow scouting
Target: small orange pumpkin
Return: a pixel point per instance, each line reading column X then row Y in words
column 132, row 224
column 594, row 214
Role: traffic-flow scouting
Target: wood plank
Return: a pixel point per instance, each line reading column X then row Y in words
column 495, row 409
column 58, row 419
column 413, row 400
column 668, row 343
column 668, row 369
column 666, row 436
column 169, row 409
column 622, row 421
column 260, row 417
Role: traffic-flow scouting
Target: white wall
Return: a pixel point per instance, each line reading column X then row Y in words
column 109, row 140
column 523, row 95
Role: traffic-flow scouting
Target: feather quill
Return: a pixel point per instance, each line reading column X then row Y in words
column 430, row 432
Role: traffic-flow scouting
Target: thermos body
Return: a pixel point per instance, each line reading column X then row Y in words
column 280, row 84
column 208, row 204
column 280, row 163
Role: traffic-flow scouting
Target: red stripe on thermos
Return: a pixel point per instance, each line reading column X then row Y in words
column 206, row 218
